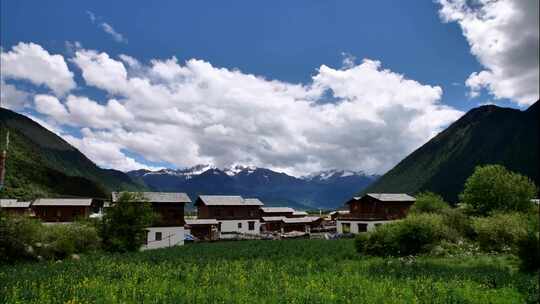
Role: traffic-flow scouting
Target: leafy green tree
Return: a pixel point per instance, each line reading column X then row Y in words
column 493, row 187
column 123, row 227
column 429, row 202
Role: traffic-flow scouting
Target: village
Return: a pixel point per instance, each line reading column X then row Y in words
column 223, row 217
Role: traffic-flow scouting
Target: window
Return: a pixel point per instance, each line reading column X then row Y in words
column 239, row 225
column 346, row 227
column 362, row 227
column 251, row 225
column 158, row 236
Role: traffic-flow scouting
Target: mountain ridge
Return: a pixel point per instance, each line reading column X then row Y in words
column 484, row 135
column 326, row 189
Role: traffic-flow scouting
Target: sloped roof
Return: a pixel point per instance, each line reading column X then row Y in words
column 253, row 201
column 392, row 197
column 158, row 197
column 273, row 218
column 229, row 200
column 62, row 202
column 300, row 213
column 277, row 210
column 202, row 222
column 300, row 220
column 13, row 203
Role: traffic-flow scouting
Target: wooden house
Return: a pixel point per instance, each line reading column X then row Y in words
column 64, row 209
column 233, row 213
column 15, row 207
column 168, row 228
column 373, row 209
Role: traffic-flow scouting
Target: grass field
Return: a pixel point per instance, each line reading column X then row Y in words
column 300, row 271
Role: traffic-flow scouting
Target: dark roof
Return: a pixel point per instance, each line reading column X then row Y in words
column 158, row 197
column 387, row 197
column 392, row 197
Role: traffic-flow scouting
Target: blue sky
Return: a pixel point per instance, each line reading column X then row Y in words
column 286, row 41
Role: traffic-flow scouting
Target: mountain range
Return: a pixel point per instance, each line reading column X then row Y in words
column 326, row 189
column 40, row 163
column 485, row 135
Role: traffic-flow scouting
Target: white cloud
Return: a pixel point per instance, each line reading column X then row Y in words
column 114, row 34
column 99, row 70
column 51, row 106
column 29, row 61
column 504, row 37
column 107, row 28
column 105, row 153
column 11, row 97
column 193, row 113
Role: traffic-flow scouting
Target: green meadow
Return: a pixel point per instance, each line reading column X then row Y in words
column 289, row 271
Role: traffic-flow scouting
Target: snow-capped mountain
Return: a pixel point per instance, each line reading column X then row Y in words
column 332, row 174
column 326, row 189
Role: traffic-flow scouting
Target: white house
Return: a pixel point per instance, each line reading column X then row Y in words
column 168, row 229
column 233, row 213
column 373, row 209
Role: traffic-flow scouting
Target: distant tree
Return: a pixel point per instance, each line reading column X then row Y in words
column 123, row 227
column 493, row 187
column 429, row 202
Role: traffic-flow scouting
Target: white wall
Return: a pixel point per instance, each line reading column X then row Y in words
column 170, row 236
column 354, row 225
column 232, row 226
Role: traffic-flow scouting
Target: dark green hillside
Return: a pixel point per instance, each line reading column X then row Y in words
column 485, row 135
column 41, row 163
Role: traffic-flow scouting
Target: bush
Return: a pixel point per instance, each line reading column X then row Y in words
column 493, row 187
column 413, row 235
column 123, row 227
column 17, row 235
column 24, row 238
column 429, row 202
column 500, row 232
column 62, row 240
column 458, row 221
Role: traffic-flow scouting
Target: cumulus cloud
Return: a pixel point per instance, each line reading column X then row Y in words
column 193, row 112
column 190, row 113
column 504, row 37
column 103, row 152
column 11, row 97
column 29, row 61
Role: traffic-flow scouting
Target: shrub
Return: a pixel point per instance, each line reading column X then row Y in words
column 429, row 202
column 123, row 227
column 62, row 240
column 493, row 187
column 413, row 235
column 500, row 232
column 458, row 221
column 17, row 235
